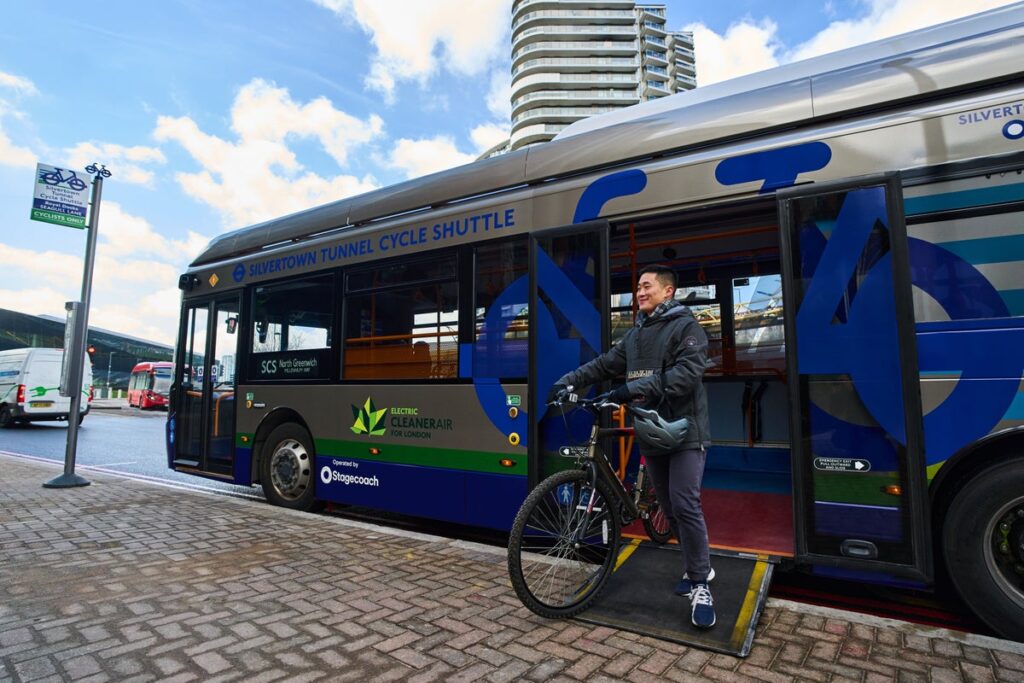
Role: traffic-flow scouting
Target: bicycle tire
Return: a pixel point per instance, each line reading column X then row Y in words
column 655, row 522
column 50, row 178
column 77, row 184
column 551, row 577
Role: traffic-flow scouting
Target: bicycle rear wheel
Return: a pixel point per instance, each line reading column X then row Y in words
column 655, row 521
column 559, row 558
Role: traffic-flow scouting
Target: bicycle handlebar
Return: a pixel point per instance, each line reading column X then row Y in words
column 597, row 403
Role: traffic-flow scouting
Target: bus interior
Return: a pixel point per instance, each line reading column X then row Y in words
column 728, row 272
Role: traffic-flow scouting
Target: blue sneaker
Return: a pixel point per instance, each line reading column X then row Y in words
column 702, row 613
column 685, row 586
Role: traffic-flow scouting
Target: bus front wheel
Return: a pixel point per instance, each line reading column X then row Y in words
column 286, row 468
column 983, row 544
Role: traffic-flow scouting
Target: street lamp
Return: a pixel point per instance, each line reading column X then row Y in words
column 110, row 362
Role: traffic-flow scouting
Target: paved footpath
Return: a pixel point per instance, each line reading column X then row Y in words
column 131, row 581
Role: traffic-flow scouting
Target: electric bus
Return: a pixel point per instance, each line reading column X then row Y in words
column 849, row 229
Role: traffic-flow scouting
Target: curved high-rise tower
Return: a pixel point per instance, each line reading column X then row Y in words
column 576, row 58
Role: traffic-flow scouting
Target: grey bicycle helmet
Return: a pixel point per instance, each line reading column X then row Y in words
column 657, row 433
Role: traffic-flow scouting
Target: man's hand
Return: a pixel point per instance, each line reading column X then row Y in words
column 559, row 392
column 620, row 395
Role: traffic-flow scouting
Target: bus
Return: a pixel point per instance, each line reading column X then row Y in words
column 849, row 229
column 149, row 385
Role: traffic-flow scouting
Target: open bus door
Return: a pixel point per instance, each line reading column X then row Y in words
column 202, row 419
column 568, row 326
column 859, row 480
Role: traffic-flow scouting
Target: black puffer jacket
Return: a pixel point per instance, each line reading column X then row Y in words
column 663, row 356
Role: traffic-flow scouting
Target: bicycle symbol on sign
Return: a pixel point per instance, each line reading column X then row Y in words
column 57, row 177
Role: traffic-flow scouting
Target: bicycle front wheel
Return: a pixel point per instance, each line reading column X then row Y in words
column 559, row 556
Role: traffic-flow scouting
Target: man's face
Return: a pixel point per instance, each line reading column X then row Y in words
column 650, row 292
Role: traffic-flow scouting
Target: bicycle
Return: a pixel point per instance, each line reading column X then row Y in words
column 565, row 538
column 58, row 178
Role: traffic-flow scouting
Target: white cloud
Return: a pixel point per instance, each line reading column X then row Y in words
column 125, row 162
column 122, row 234
column 14, row 155
column 10, row 153
column 745, row 47
column 888, row 18
column 420, row 157
column 133, row 267
column 753, row 45
column 488, row 135
column 412, row 37
column 499, row 96
column 20, row 85
column 257, row 176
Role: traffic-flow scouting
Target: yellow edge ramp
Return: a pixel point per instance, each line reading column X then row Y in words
column 742, row 627
column 626, row 552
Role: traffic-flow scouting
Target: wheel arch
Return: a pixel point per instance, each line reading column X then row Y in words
column 271, row 421
column 989, row 451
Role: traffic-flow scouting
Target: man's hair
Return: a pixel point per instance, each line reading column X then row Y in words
column 665, row 275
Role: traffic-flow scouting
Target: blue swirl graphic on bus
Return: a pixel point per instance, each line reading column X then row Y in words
column 606, row 188
column 776, row 167
column 238, row 273
column 863, row 343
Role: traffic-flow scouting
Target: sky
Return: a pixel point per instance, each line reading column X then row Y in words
column 213, row 116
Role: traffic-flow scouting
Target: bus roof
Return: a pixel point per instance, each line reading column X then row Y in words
column 915, row 65
column 146, row 366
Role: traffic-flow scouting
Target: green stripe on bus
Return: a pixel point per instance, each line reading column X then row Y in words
column 446, row 458
column 858, row 488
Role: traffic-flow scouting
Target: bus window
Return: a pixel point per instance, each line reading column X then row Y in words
column 291, row 330
column 400, row 323
column 758, row 323
column 499, row 299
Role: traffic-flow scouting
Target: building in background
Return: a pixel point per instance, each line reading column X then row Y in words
column 572, row 59
column 113, row 355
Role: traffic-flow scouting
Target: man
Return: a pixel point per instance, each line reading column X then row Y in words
column 663, row 357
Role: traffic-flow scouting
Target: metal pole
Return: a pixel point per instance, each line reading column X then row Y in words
column 110, row 362
column 69, row 478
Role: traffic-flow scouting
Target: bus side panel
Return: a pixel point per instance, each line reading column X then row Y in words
column 965, row 256
column 464, row 497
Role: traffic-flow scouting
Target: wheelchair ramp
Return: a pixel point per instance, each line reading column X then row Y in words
column 640, row 597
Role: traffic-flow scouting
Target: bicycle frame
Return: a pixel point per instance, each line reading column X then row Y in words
column 601, row 467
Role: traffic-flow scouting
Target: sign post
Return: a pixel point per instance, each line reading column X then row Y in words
column 74, row 353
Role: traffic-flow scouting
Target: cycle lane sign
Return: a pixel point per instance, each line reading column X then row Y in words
column 61, row 197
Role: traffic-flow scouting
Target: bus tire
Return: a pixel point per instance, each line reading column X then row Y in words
column 983, row 545
column 287, row 468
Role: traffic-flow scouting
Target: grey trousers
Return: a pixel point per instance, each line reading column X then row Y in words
column 677, row 479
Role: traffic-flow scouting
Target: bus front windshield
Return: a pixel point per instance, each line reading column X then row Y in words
column 161, row 382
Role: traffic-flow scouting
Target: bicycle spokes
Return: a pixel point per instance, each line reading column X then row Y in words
column 565, row 544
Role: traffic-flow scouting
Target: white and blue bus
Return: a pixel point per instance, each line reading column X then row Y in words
column 849, row 229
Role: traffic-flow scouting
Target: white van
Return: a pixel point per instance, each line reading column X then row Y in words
column 30, row 386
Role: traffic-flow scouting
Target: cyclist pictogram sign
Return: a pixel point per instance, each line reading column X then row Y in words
column 61, row 196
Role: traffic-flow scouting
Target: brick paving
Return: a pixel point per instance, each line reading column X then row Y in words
column 129, row 581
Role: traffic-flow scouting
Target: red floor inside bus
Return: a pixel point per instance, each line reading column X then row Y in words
column 727, row 265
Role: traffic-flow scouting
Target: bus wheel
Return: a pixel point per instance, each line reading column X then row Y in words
column 983, row 543
column 287, row 468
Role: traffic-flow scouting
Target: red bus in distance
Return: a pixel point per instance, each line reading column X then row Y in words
column 149, row 385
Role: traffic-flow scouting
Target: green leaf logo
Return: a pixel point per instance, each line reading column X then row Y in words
column 369, row 420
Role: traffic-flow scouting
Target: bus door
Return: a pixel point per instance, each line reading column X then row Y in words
column 858, row 465
column 204, row 417
column 568, row 326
